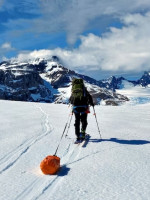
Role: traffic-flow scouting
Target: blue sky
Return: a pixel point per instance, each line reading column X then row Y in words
column 95, row 37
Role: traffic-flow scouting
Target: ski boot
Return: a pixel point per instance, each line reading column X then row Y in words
column 82, row 135
column 78, row 140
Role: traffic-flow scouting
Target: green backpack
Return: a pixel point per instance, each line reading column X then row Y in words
column 78, row 91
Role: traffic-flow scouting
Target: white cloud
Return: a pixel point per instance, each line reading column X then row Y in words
column 6, row 46
column 75, row 16
column 4, row 49
column 72, row 16
column 125, row 49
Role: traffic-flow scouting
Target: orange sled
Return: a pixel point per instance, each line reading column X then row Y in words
column 50, row 165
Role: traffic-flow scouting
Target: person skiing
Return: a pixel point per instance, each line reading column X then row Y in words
column 80, row 99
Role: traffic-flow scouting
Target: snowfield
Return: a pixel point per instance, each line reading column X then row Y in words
column 137, row 94
column 114, row 168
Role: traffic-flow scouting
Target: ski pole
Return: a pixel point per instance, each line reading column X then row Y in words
column 69, row 124
column 97, row 123
column 62, row 135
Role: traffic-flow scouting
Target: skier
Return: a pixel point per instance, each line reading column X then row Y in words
column 80, row 99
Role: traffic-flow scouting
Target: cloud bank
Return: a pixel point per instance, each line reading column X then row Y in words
column 124, row 49
column 70, row 16
column 76, row 16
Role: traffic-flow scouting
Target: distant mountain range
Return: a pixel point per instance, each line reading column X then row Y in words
column 43, row 80
column 114, row 83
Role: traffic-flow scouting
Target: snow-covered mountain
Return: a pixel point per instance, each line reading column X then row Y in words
column 43, row 80
column 111, row 83
column 114, row 83
column 145, row 79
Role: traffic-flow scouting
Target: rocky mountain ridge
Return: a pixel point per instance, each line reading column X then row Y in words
column 114, row 83
column 43, row 80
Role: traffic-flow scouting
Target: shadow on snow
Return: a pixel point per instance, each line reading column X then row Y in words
column 121, row 141
column 63, row 171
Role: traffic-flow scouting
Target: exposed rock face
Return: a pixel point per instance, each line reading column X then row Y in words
column 61, row 76
column 111, row 83
column 145, row 79
column 48, row 81
column 23, row 86
column 110, row 97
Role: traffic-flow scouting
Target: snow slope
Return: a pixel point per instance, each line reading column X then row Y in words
column 137, row 94
column 116, row 167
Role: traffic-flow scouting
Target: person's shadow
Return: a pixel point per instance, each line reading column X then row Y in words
column 122, row 141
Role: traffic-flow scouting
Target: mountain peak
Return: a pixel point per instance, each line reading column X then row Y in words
column 55, row 59
column 49, row 80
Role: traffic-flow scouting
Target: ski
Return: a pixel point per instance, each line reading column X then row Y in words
column 86, row 140
column 82, row 141
column 78, row 141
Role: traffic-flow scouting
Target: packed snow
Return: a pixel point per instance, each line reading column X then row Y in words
column 114, row 168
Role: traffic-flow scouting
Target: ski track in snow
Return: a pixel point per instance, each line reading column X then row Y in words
column 7, row 161
column 42, row 186
column 70, row 155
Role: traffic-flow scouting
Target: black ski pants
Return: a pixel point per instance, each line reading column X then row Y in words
column 80, row 118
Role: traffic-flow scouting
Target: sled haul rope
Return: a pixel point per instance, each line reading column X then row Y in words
column 50, row 165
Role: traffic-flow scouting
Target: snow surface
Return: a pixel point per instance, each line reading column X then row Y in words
column 114, row 168
column 137, row 94
column 50, row 65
